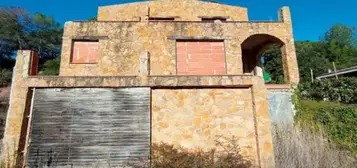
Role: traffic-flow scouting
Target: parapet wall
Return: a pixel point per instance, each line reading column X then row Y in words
column 181, row 10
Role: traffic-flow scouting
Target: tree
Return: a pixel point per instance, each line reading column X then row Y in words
column 311, row 56
column 341, row 35
column 340, row 46
column 45, row 36
column 20, row 30
column 12, row 36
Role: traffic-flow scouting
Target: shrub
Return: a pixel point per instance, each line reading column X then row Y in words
column 165, row 155
column 343, row 90
column 51, row 67
column 340, row 124
column 337, row 121
column 308, row 109
column 5, row 77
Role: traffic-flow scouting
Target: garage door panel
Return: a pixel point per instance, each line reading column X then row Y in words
column 83, row 126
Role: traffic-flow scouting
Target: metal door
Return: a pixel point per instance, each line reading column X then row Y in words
column 83, row 127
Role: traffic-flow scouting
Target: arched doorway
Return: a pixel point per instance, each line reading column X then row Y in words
column 254, row 47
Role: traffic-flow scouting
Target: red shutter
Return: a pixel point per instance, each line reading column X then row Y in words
column 85, row 52
column 200, row 58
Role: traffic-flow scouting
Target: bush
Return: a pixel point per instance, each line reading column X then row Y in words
column 5, row 77
column 164, row 155
column 51, row 67
column 307, row 111
column 340, row 124
column 343, row 90
column 337, row 121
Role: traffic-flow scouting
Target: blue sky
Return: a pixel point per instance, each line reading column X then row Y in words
column 311, row 18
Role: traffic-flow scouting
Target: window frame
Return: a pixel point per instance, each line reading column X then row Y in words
column 213, row 18
column 83, row 40
column 202, row 40
column 162, row 18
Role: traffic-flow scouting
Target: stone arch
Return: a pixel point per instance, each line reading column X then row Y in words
column 254, row 47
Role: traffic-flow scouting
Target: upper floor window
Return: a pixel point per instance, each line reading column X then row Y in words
column 213, row 18
column 168, row 18
column 200, row 57
column 85, row 51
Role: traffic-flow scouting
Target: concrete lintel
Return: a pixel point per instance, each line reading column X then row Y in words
column 140, row 81
column 214, row 17
column 86, row 38
column 179, row 37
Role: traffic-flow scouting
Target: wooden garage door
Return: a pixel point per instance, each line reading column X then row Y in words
column 84, row 127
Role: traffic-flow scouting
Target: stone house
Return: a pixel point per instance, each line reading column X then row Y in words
column 182, row 72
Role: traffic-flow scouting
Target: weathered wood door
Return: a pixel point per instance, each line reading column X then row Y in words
column 85, row 127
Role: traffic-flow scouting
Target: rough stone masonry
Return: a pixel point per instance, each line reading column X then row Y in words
column 197, row 59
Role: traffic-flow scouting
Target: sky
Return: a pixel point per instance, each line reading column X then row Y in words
column 311, row 18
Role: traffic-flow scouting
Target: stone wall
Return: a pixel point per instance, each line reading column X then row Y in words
column 124, row 42
column 183, row 10
column 196, row 118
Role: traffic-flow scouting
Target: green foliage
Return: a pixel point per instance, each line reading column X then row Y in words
column 309, row 57
column 92, row 19
column 343, row 90
column 273, row 64
column 20, row 30
column 340, row 124
column 45, row 36
column 337, row 121
column 342, row 35
column 338, row 45
column 308, row 109
column 12, row 23
column 51, row 67
column 5, row 77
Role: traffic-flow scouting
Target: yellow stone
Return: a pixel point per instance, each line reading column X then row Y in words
column 164, row 125
column 268, row 147
column 223, row 126
column 156, row 108
column 197, row 122
column 205, row 115
column 235, row 108
column 207, row 132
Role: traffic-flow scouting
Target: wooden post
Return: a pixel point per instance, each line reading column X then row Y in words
column 334, row 69
column 312, row 75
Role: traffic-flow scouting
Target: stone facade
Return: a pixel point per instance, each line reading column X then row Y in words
column 196, row 118
column 183, row 10
column 125, row 41
column 188, row 110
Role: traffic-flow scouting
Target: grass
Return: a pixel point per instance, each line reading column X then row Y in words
column 298, row 148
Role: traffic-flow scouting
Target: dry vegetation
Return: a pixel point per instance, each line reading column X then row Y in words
column 166, row 156
column 295, row 148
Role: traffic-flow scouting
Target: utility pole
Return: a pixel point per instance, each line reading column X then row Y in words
column 334, row 69
column 312, row 75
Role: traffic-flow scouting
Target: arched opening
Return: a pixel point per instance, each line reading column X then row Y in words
column 257, row 50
